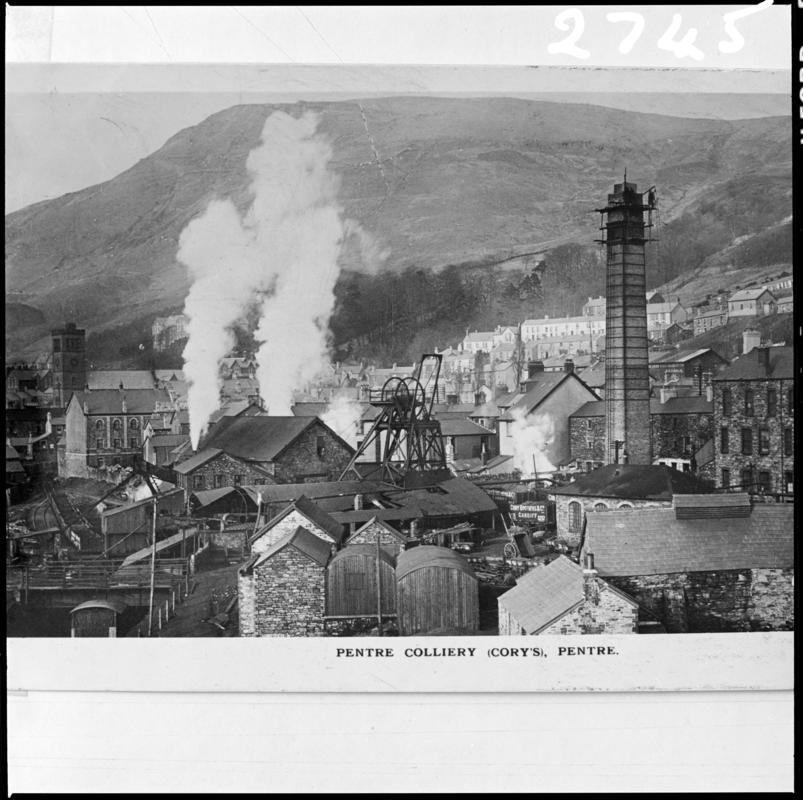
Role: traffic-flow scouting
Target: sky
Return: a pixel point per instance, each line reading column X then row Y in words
column 72, row 125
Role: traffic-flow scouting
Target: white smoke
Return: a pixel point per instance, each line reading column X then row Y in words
column 284, row 250
column 533, row 436
column 343, row 416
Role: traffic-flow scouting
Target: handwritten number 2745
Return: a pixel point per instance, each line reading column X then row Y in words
column 572, row 20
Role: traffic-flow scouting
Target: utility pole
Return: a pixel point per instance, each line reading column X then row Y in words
column 153, row 570
column 378, row 585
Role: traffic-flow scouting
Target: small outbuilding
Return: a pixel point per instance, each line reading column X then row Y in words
column 304, row 513
column 436, row 588
column 375, row 529
column 96, row 618
column 564, row 598
column 358, row 578
column 281, row 590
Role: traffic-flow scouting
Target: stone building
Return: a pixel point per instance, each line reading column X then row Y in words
column 389, row 538
column 754, row 422
column 302, row 512
column 564, row 598
column 679, row 427
column 69, row 362
column 104, row 428
column 281, row 590
column 756, row 302
column 617, row 486
column 265, row 449
column 708, row 563
column 691, row 365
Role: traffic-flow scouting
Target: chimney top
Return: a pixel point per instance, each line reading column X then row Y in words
column 568, row 365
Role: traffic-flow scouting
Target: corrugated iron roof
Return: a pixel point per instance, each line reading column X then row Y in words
column 425, row 556
column 652, row 541
column 363, row 550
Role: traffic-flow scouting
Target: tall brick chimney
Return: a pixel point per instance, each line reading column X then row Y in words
column 627, row 381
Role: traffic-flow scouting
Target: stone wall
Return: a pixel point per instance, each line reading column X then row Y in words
column 679, row 435
column 227, row 467
column 246, row 602
column 289, row 595
column 573, row 537
column 775, row 460
column 369, row 534
column 302, row 462
column 284, row 527
column 709, row 602
column 587, row 437
column 611, row 613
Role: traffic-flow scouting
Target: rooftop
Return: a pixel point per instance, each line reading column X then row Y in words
column 302, row 540
column 748, row 294
column 312, row 512
column 425, row 556
column 652, row 541
column 633, row 482
column 110, row 401
column 748, row 367
column 545, row 594
column 112, row 378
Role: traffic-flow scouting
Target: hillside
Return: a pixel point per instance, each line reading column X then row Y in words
column 463, row 182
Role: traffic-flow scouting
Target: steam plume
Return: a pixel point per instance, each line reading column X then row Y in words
column 283, row 253
column 532, row 439
column 343, row 416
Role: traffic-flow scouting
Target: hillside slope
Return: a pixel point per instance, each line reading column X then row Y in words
column 461, row 180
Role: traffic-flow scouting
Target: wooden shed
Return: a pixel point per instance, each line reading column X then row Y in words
column 96, row 618
column 436, row 588
column 351, row 583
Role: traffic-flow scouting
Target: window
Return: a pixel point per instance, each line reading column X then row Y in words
column 600, row 507
column 724, row 441
column 117, row 425
column 133, row 442
column 726, row 478
column 624, row 506
column 726, row 402
column 763, row 441
column 747, row 478
column 133, row 423
column 788, row 442
column 789, row 480
column 57, row 345
column 198, row 482
column 117, row 443
column 220, row 480
column 764, row 482
column 790, row 401
column 747, row 441
column 748, row 402
column 238, row 479
column 575, row 516
column 320, row 446
column 772, row 402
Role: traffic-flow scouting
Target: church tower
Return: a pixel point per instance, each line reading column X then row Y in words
column 69, row 362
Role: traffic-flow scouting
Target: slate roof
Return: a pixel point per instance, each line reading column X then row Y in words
column 426, row 555
column 110, row 401
column 312, row 512
column 463, row 427
column 748, row 368
column 197, row 460
column 693, row 404
column 594, row 376
column 260, row 438
column 544, row 385
column 112, row 378
column 168, row 439
column 652, row 541
column 206, row 497
column 308, row 409
column 545, row 594
column 682, row 356
column 633, row 482
column 453, row 497
column 305, row 542
column 748, row 294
